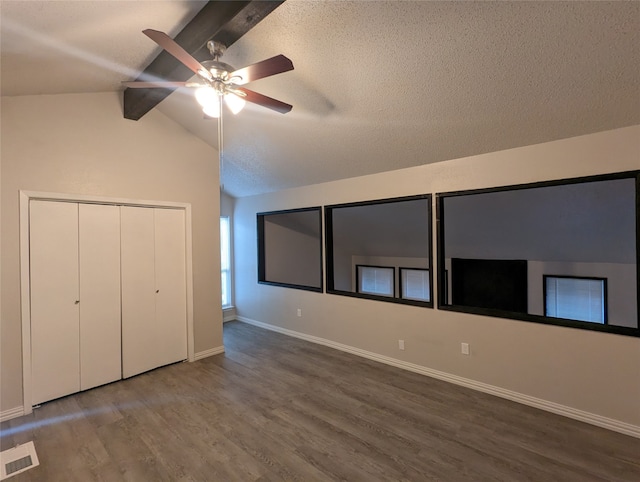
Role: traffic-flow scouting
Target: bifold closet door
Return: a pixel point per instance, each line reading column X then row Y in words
column 55, row 299
column 171, row 295
column 153, row 288
column 100, row 333
column 138, row 290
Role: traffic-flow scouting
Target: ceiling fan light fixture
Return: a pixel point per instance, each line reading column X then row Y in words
column 234, row 102
column 206, row 96
column 212, row 110
column 209, row 99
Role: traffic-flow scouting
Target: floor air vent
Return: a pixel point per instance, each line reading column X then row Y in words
column 17, row 460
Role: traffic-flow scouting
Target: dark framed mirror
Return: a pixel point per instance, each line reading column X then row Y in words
column 370, row 245
column 562, row 252
column 290, row 248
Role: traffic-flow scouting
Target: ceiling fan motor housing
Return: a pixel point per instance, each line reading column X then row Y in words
column 219, row 70
column 217, row 49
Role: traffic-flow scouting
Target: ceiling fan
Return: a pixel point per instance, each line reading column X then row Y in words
column 218, row 80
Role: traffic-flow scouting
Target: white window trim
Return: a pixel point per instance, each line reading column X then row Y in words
column 230, row 304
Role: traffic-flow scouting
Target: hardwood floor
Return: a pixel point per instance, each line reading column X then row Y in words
column 277, row 408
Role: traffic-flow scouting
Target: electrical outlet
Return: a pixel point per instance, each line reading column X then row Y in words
column 401, row 344
column 464, row 348
column 299, row 312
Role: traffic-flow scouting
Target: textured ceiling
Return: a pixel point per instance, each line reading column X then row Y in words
column 377, row 85
column 52, row 47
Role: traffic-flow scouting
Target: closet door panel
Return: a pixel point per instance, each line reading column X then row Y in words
column 171, row 296
column 100, row 333
column 138, row 290
column 55, row 343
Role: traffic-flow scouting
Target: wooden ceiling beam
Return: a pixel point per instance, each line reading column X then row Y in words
column 224, row 21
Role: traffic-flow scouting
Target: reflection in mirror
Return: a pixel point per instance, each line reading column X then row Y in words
column 369, row 245
column 290, row 248
column 375, row 280
column 561, row 293
column 563, row 252
column 415, row 284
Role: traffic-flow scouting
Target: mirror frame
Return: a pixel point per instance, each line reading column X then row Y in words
column 328, row 225
column 441, row 226
column 260, row 218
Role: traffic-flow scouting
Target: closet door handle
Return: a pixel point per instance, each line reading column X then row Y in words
column 157, row 291
column 77, row 302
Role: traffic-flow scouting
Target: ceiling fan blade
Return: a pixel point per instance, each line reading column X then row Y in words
column 259, row 70
column 167, row 43
column 147, row 85
column 264, row 101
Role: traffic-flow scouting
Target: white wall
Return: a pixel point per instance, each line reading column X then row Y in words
column 227, row 203
column 592, row 372
column 81, row 144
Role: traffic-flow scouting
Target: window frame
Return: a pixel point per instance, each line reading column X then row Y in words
column 328, row 234
column 605, row 318
column 440, row 246
column 260, row 218
column 393, row 280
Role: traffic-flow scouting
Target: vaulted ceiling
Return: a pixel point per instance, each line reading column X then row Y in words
column 377, row 85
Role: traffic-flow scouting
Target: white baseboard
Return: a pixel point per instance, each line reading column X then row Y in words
column 593, row 419
column 228, row 314
column 207, row 353
column 11, row 413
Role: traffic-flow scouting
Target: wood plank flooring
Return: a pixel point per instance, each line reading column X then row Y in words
column 277, row 408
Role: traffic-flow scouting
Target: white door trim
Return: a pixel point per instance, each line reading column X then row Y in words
column 25, row 281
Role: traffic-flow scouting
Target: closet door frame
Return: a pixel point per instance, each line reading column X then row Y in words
column 25, row 277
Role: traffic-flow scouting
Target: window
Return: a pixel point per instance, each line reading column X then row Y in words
column 375, row 280
column 225, row 260
column 583, row 299
column 290, row 248
column 414, row 284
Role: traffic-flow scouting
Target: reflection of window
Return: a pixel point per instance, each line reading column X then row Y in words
column 414, row 284
column 225, row 260
column 375, row 280
column 583, row 299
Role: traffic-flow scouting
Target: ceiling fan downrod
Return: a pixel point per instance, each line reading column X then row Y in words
column 216, row 49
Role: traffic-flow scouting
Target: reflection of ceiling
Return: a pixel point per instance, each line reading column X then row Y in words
column 377, row 85
column 389, row 229
column 577, row 222
column 305, row 222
